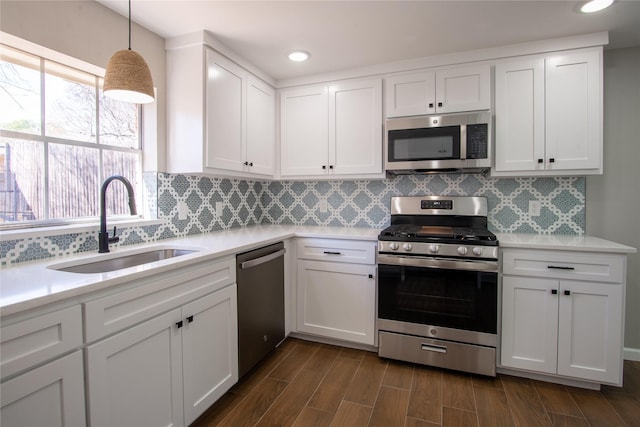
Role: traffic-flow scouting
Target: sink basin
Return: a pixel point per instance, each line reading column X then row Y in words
column 123, row 261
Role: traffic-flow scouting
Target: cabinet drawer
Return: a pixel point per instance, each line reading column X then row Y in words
column 30, row 342
column 153, row 296
column 351, row 251
column 564, row 265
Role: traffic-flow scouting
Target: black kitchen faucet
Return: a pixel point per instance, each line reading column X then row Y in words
column 103, row 235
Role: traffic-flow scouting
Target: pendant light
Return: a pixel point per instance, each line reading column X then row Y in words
column 127, row 77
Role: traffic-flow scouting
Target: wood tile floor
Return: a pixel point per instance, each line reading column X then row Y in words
column 309, row 384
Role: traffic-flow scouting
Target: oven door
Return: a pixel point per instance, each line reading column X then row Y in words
column 452, row 294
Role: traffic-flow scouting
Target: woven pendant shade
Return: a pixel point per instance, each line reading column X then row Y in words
column 128, row 78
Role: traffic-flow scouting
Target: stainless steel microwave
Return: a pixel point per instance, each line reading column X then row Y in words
column 438, row 143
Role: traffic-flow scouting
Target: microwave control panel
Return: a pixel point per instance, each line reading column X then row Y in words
column 477, row 141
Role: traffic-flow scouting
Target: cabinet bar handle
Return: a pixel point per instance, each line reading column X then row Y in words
column 332, row 253
column 560, row 267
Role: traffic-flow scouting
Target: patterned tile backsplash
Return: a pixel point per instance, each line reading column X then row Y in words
column 363, row 203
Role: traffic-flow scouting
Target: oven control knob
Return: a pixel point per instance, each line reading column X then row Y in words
column 394, row 246
column 462, row 250
column 477, row 251
column 407, row 247
column 434, row 249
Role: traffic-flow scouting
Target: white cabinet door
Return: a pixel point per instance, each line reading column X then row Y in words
column 549, row 115
column 225, row 119
column 355, row 127
column 210, row 350
column 410, row 94
column 574, row 111
column 259, row 156
column 463, row 89
column 590, row 331
column 529, row 323
column 304, row 129
column 337, row 300
column 520, row 115
column 51, row 395
column 443, row 91
column 135, row 377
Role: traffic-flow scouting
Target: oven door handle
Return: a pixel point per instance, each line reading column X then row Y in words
column 450, row 264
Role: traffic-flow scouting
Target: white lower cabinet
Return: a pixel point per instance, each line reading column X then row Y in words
column 562, row 314
column 42, row 369
column 163, row 350
column 168, row 370
column 337, row 289
column 51, row 395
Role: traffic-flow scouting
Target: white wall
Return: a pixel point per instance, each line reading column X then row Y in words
column 613, row 199
column 89, row 31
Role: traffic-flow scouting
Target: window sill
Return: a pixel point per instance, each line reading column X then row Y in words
column 24, row 233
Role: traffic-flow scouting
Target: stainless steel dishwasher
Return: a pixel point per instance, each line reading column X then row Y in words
column 260, row 280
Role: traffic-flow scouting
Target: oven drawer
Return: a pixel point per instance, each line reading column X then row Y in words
column 351, row 251
column 564, row 265
column 444, row 354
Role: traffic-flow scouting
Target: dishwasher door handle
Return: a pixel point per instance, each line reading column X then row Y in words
column 257, row 261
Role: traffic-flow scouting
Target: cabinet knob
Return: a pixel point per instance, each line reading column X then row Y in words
column 179, row 324
column 324, row 166
column 552, row 160
column 190, row 319
column 554, row 292
column 439, row 104
column 330, row 166
column 567, row 292
column 540, row 161
column 251, row 164
column 431, row 105
column 246, row 163
column 371, row 276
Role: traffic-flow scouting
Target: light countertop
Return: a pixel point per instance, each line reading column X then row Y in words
column 562, row 242
column 32, row 285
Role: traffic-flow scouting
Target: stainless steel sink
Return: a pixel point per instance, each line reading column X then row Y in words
column 92, row 266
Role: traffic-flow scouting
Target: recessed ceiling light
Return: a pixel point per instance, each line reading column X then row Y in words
column 595, row 6
column 299, row 55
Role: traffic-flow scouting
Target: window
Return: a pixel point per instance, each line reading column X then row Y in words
column 59, row 139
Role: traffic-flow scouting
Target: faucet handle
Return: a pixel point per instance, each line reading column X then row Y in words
column 115, row 238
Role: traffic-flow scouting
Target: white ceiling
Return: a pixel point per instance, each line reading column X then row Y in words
column 342, row 35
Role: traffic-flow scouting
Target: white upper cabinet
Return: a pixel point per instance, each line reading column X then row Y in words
column 334, row 130
column 261, row 127
column 549, row 115
column 221, row 118
column 304, row 131
column 442, row 91
column 225, row 115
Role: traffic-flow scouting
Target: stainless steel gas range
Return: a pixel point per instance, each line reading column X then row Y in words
column 438, row 284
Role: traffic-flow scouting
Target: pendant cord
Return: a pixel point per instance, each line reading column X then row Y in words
column 129, row 24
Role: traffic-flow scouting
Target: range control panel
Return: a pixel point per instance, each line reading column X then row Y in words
column 436, row 204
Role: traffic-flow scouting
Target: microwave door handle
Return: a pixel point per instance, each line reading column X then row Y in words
column 463, row 142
